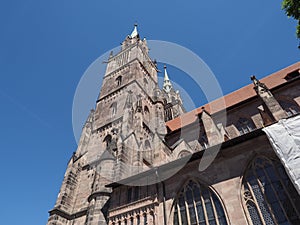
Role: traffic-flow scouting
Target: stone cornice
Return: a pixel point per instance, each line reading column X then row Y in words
column 64, row 214
column 99, row 193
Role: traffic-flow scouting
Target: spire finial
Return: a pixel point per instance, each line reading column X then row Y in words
column 167, row 83
column 255, row 81
column 166, row 77
column 258, row 86
column 135, row 32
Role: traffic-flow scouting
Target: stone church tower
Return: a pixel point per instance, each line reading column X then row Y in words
column 123, row 136
column 139, row 132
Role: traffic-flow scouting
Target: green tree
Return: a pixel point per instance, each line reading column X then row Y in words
column 292, row 9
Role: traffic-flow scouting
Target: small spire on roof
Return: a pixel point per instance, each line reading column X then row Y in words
column 135, row 32
column 167, row 83
column 111, row 54
column 258, row 86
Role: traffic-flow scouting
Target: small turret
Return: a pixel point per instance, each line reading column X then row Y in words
column 173, row 103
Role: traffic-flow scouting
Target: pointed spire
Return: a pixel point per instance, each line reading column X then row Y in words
column 135, row 32
column 167, row 83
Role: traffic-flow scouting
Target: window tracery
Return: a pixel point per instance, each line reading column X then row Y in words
column 197, row 204
column 268, row 195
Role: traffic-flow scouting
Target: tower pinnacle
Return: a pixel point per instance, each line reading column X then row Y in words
column 134, row 33
column 167, row 83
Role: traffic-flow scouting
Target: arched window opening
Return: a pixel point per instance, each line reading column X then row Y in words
column 165, row 101
column 197, row 204
column 147, row 145
column 245, row 126
column 119, row 81
column 113, row 109
column 146, row 109
column 145, row 83
column 290, row 107
column 107, row 140
column 168, row 112
column 131, row 221
column 269, row 196
column 146, row 113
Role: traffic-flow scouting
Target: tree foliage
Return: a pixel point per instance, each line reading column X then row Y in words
column 292, row 9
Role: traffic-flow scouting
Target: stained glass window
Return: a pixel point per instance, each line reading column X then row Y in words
column 197, row 204
column 268, row 194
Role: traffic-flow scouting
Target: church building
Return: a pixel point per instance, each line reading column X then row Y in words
column 143, row 160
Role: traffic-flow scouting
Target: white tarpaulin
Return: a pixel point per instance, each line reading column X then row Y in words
column 284, row 137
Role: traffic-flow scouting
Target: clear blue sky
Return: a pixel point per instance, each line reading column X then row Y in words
column 45, row 47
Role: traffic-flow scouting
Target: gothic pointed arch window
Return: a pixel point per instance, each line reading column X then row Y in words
column 145, row 219
column 147, row 145
column 197, row 204
column 145, row 83
column 146, row 113
column 168, row 112
column 268, row 195
column 119, row 81
column 245, row 125
column 107, row 140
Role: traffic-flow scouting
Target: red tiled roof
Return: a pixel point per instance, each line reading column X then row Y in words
column 240, row 95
